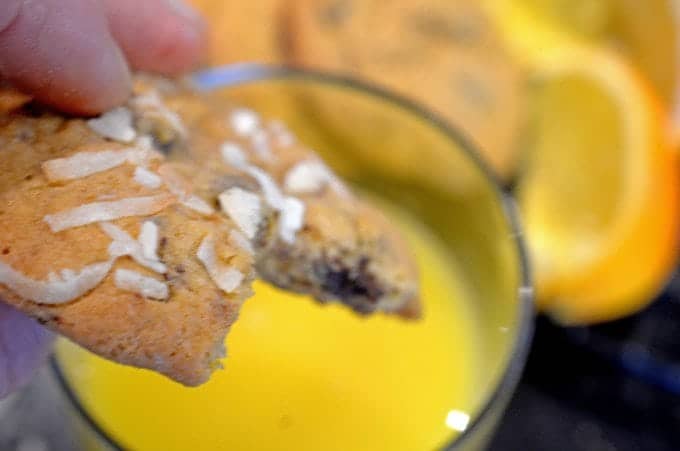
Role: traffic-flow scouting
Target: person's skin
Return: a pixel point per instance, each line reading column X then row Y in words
column 76, row 55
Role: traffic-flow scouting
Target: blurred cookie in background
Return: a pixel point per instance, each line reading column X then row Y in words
column 242, row 31
column 444, row 54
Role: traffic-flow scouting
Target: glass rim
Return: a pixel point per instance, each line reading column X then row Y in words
column 242, row 74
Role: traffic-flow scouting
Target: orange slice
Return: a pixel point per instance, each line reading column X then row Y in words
column 599, row 193
column 647, row 33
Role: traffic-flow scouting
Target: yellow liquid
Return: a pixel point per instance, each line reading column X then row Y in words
column 305, row 377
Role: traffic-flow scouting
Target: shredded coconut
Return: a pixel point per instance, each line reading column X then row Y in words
column 238, row 239
column 225, row 277
column 233, row 155
column 155, row 105
column 144, row 142
column 290, row 209
column 83, row 164
column 291, row 219
column 147, row 178
column 243, row 207
column 56, row 290
column 148, row 287
column 107, row 211
column 282, row 135
column 272, row 194
column 68, row 274
column 260, row 142
column 115, row 124
column 244, row 121
column 310, row 176
column 148, row 238
column 124, row 244
column 197, row 204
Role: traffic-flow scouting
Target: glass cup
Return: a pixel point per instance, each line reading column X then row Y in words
column 392, row 149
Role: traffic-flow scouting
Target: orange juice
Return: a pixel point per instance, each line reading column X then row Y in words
column 306, row 377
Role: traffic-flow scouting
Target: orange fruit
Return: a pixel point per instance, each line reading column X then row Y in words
column 647, row 33
column 599, row 194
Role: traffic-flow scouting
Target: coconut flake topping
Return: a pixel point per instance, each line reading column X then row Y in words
column 292, row 210
column 243, row 207
column 115, row 124
column 238, row 239
column 233, row 155
column 311, row 176
column 148, row 287
column 147, row 178
column 260, row 142
column 153, row 104
column 244, row 121
column 291, row 219
column 225, row 277
column 107, row 211
column 148, row 238
column 83, row 164
column 282, row 135
column 197, row 204
column 143, row 250
column 57, row 290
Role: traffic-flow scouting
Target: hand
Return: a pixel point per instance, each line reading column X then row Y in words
column 76, row 55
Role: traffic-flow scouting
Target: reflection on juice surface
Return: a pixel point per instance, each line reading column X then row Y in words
column 301, row 376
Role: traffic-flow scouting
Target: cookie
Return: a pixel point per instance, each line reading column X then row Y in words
column 243, row 31
column 309, row 233
column 137, row 234
column 444, row 54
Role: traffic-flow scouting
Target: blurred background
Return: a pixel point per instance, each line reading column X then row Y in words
column 574, row 104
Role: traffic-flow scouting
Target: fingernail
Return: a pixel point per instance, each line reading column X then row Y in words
column 182, row 9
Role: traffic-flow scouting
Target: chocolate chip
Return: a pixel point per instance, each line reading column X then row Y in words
column 165, row 147
column 355, row 286
column 5, row 251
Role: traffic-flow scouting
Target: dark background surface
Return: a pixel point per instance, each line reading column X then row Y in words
column 614, row 387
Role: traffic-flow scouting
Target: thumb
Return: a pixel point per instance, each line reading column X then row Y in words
column 61, row 52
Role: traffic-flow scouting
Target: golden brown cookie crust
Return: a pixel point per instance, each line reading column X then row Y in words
column 150, row 200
